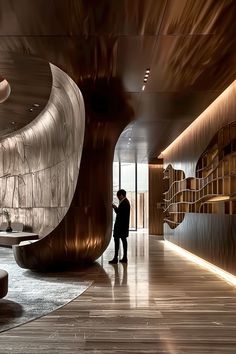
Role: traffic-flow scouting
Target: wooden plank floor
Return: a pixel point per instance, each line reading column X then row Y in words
column 159, row 303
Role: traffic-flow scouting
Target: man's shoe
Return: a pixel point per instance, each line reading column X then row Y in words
column 124, row 260
column 113, row 261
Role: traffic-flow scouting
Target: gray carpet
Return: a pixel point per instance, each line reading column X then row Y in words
column 32, row 295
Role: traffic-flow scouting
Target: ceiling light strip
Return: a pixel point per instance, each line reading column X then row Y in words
column 230, row 278
column 198, row 120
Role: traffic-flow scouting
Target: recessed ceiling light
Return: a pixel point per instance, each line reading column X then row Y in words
column 129, row 139
column 143, row 88
column 36, row 105
column 144, row 80
column 147, row 71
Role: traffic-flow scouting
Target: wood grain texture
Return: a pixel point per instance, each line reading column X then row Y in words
column 39, row 171
column 30, row 80
column 39, row 164
column 85, row 231
column 184, row 152
column 212, row 190
column 209, row 236
column 156, row 217
column 158, row 303
column 189, row 45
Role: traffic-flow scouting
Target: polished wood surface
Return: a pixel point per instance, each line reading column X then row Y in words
column 30, row 80
column 184, row 153
column 189, row 46
column 108, row 112
column 14, row 238
column 210, row 236
column 158, row 303
column 80, row 226
column 155, row 193
column 212, row 190
column 39, row 164
column 39, row 167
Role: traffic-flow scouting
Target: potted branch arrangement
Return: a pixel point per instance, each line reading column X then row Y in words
column 7, row 215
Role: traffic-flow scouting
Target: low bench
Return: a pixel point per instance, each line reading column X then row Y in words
column 3, row 283
column 14, row 238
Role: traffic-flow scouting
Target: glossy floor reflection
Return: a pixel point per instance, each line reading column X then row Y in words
column 158, row 303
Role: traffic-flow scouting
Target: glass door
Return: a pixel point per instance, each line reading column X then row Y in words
column 133, row 178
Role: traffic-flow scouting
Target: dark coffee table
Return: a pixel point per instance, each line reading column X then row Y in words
column 15, row 237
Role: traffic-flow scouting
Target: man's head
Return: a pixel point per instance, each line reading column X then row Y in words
column 121, row 194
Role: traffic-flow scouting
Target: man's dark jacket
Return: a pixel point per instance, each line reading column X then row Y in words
column 121, row 227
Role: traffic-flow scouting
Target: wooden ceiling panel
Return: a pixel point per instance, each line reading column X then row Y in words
column 134, row 56
column 192, row 63
column 81, row 58
column 30, row 80
column 147, row 144
column 76, row 17
column 189, row 46
column 174, row 106
column 197, row 16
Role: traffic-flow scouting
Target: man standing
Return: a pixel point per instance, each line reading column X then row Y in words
column 121, row 227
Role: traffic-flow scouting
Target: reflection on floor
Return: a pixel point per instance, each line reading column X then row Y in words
column 31, row 295
column 158, row 303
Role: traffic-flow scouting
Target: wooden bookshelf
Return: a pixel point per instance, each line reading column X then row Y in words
column 213, row 190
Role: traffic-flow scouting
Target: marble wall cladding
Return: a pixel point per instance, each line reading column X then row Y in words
column 25, row 190
column 39, row 164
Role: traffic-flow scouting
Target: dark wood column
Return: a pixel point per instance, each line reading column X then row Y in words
column 156, row 198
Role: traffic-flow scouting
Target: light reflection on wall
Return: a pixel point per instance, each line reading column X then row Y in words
column 39, row 164
column 5, row 90
column 183, row 153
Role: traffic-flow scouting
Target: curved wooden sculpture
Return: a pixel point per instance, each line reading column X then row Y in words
column 42, row 165
column 42, row 182
column 73, row 217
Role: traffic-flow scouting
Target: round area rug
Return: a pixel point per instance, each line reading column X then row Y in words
column 32, row 295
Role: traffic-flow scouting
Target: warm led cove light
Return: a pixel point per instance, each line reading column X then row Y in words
column 198, row 121
column 219, row 198
column 230, row 278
